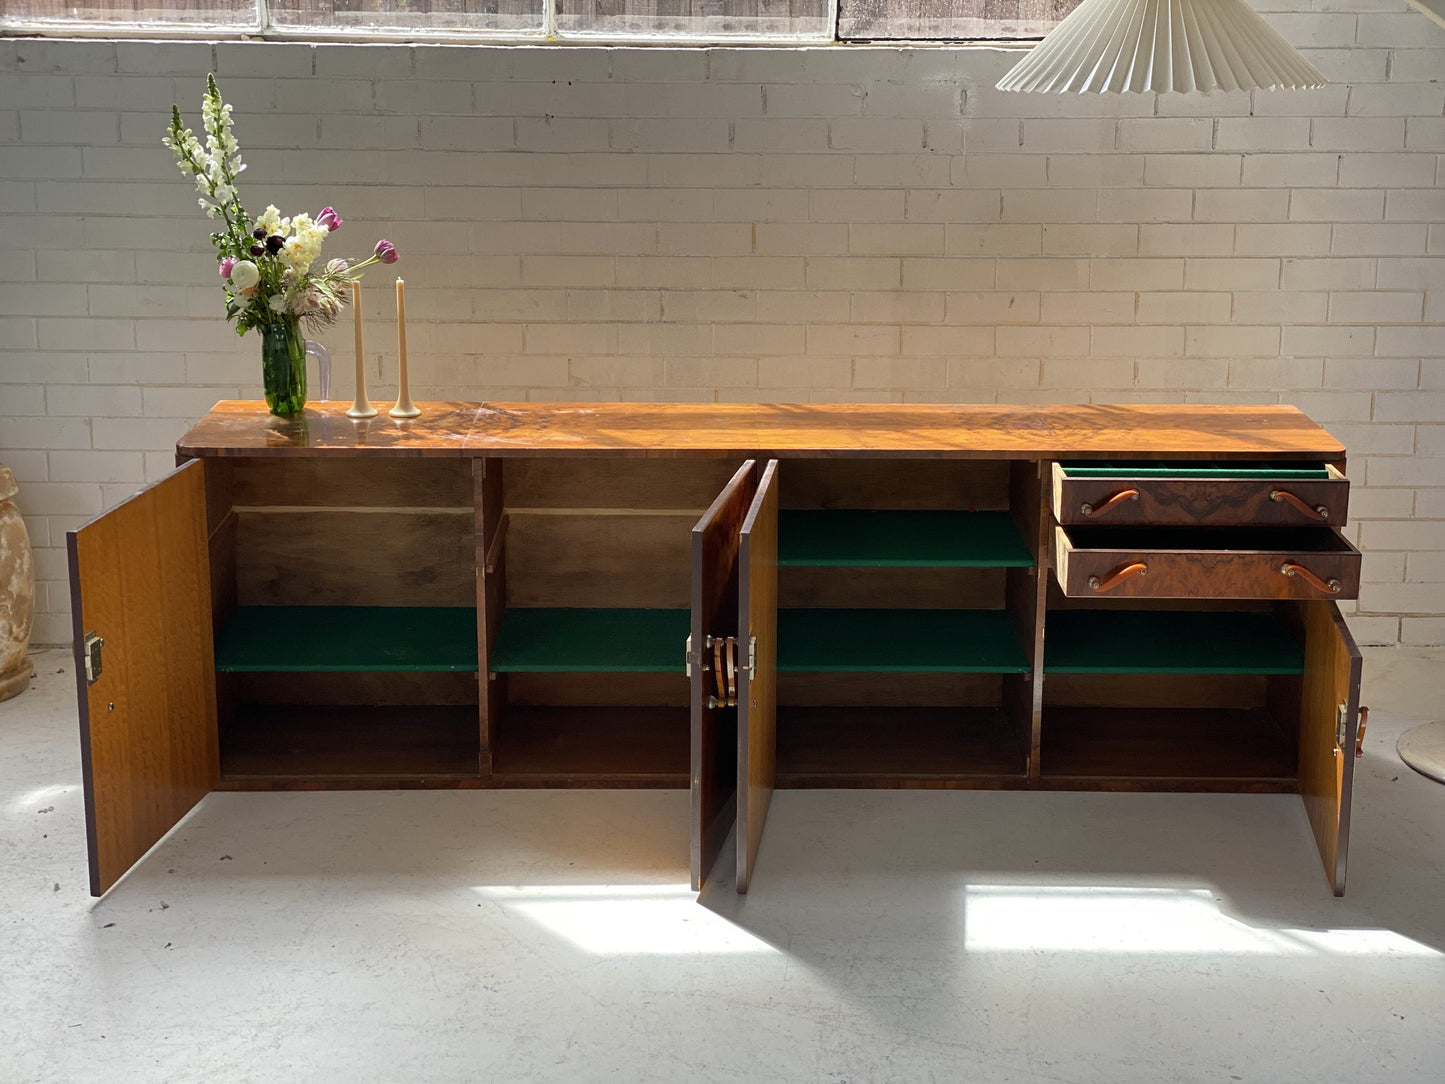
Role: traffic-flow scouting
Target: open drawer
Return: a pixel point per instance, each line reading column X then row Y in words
column 1240, row 494
column 1145, row 562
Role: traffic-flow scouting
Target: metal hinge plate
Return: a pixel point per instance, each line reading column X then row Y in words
column 91, row 652
column 752, row 657
column 1342, row 723
column 687, row 656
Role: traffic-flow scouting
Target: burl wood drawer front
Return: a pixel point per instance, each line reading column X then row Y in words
column 1141, row 562
column 1209, row 495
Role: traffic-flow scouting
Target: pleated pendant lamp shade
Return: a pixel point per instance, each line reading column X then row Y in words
column 1161, row 45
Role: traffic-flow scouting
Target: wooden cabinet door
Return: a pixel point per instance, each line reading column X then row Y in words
column 1329, row 729
column 140, row 580
column 715, row 542
column 758, row 667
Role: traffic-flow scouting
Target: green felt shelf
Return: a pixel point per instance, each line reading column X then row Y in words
column 1207, row 470
column 898, row 641
column 546, row 640
column 923, row 539
column 1169, row 642
column 271, row 639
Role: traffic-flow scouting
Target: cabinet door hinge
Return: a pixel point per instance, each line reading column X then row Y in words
column 752, row 657
column 91, row 654
column 687, row 656
column 1342, row 729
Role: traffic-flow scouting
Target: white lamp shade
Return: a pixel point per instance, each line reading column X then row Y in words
column 1162, row 45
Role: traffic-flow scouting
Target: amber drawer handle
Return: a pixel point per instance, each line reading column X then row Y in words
column 1118, row 576
column 1289, row 568
column 1284, row 496
column 1118, row 498
column 1360, row 734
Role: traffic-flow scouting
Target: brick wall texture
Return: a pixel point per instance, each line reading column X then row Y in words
column 781, row 224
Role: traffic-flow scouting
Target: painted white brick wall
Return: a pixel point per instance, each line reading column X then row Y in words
column 828, row 224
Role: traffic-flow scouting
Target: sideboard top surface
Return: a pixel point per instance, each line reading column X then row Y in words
column 244, row 428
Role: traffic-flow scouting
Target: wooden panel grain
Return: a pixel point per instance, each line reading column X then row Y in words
column 758, row 663
column 244, row 427
column 890, row 690
column 584, row 559
column 1221, row 563
column 340, row 482
column 1024, row 597
column 490, row 569
column 868, row 430
column 713, row 734
column 863, row 430
column 1327, row 768
column 897, row 484
column 336, row 558
column 1198, row 502
column 140, row 579
column 882, row 588
column 615, row 483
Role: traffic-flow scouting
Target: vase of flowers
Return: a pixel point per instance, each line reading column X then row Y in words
column 270, row 266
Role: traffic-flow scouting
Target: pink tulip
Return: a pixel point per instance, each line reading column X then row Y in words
column 226, row 265
column 386, row 251
column 329, row 218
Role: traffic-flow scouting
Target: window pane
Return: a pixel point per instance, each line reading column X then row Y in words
column 695, row 18
column 950, row 18
column 240, row 13
column 384, row 15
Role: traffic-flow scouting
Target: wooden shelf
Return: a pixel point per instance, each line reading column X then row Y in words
column 354, row 746
column 898, row 747
column 898, row 641
column 564, row 640
column 901, row 539
column 271, row 639
column 1224, row 471
column 1239, row 749
column 1169, row 642
column 592, row 747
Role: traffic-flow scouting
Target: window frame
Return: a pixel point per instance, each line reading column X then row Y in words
column 549, row 34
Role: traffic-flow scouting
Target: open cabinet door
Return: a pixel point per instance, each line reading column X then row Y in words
column 757, row 650
column 715, row 542
column 140, row 581
column 1329, row 728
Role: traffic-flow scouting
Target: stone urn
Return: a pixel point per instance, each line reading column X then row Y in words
column 17, row 592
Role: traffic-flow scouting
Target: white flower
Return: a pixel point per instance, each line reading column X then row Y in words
column 272, row 222
column 224, row 193
column 245, row 274
column 277, row 302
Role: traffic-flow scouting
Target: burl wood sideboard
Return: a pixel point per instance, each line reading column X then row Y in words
column 731, row 598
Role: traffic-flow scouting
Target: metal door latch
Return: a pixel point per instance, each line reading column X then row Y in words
column 91, row 653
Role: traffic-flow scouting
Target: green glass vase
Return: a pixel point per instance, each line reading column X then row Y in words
column 283, row 366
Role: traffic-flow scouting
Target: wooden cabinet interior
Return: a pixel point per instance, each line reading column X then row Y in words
column 527, row 597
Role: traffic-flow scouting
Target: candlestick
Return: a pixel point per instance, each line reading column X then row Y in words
column 362, row 408
column 404, row 408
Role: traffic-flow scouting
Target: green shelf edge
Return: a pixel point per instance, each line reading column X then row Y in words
column 1209, row 470
column 348, row 639
column 542, row 640
column 828, row 641
column 1169, row 642
column 855, row 538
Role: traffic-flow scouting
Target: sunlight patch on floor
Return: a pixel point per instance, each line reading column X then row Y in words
column 612, row 920
column 1163, row 921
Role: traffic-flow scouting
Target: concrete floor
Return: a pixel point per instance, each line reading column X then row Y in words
column 890, row 936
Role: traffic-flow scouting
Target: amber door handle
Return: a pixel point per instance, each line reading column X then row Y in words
column 1283, row 496
column 1118, row 498
column 1118, row 576
column 1331, row 586
column 1360, row 734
